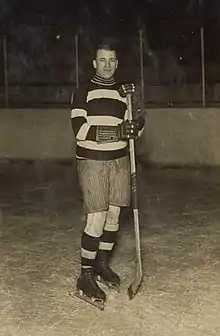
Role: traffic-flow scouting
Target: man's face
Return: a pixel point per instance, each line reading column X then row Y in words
column 105, row 63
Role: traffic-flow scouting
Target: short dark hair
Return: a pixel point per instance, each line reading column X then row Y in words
column 107, row 44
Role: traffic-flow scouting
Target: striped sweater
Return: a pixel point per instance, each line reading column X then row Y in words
column 97, row 103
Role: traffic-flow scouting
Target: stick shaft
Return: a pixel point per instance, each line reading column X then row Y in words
column 134, row 191
column 132, row 157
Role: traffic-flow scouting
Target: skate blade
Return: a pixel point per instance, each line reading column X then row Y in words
column 100, row 304
column 108, row 284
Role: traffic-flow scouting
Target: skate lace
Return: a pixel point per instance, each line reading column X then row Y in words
column 91, row 275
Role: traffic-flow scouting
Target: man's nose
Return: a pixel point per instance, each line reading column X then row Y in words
column 108, row 65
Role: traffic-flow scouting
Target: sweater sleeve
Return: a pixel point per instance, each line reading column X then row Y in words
column 81, row 129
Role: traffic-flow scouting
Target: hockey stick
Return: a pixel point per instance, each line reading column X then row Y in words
column 133, row 288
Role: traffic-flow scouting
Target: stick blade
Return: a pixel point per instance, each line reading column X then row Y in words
column 134, row 287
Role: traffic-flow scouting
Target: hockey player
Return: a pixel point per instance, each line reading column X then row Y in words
column 99, row 122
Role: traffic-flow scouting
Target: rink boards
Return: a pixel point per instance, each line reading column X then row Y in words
column 172, row 137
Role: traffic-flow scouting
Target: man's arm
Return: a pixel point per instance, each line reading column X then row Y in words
column 99, row 133
column 81, row 129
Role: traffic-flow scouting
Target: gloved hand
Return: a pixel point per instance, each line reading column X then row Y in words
column 124, row 131
column 127, row 88
column 128, row 130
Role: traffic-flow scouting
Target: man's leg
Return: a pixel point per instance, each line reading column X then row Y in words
column 91, row 238
column 93, row 180
column 111, row 228
column 106, row 245
column 119, row 197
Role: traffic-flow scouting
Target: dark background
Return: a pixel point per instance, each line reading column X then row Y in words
column 40, row 40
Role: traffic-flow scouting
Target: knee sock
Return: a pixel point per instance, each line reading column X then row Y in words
column 111, row 227
column 91, row 238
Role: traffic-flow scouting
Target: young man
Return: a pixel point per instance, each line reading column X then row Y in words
column 99, row 122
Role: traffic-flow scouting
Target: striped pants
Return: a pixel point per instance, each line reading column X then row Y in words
column 105, row 187
column 104, row 183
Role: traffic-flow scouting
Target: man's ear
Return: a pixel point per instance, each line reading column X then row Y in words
column 94, row 64
column 116, row 64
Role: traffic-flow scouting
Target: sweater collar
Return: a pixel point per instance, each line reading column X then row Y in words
column 102, row 81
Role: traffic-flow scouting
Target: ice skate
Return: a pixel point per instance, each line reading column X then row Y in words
column 88, row 290
column 104, row 273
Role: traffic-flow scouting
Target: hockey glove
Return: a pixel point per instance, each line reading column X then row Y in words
column 128, row 130
column 127, row 89
column 123, row 131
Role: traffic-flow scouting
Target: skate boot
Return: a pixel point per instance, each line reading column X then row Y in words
column 104, row 273
column 88, row 290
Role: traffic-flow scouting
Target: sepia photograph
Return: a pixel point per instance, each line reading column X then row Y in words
column 109, row 168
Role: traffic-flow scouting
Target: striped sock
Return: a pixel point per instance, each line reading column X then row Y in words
column 111, row 228
column 89, row 248
column 107, row 240
column 91, row 238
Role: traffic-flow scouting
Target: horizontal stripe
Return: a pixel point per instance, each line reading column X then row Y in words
column 104, row 84
column 87, row 266
column 87, row 263
column 106, row 106
column 77, row 123
column 78, row 113
column 102, row 81
column 104, row 120
column 93, row 145
column 89, row 243
column 109, row 236
column 83, row 131
column 83, row 153
column 105, row 93
column 88, row 254
column 106, row 246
